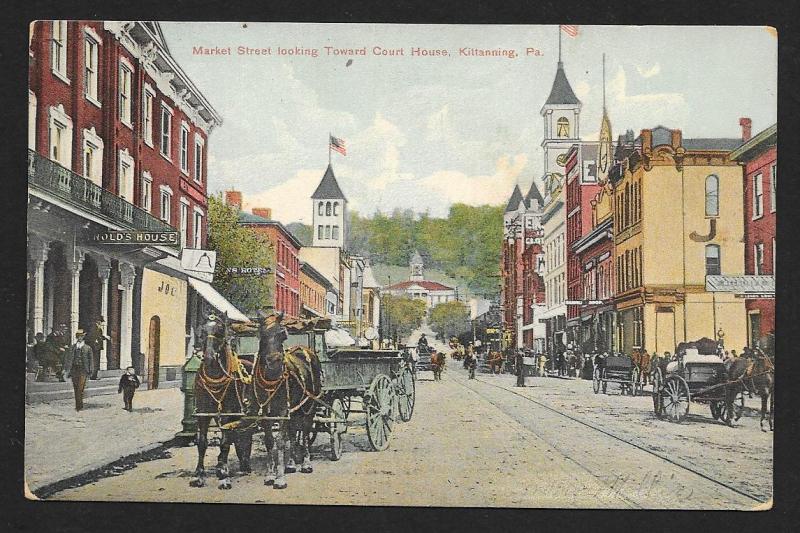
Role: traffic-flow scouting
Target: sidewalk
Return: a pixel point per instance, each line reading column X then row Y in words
column 61, row 443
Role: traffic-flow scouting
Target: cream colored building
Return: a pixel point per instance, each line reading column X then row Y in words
column 163, row 328
column 555, row 261
column 677, row 217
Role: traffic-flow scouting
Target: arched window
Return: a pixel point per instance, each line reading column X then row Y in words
column 712, row 196
column 713, row 260
column 562, row 128
column 321, row 208
column 335, row 208
column 627, row 220
column 328, row 208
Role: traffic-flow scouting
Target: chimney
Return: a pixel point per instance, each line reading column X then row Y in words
column 677, row 138
column 746, row 125
column 263, row 212
column 647, row 141
column 233, row 199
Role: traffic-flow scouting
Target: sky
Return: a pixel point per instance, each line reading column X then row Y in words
column 424, row 132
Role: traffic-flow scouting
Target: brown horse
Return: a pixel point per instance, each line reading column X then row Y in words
column 437, row 365
column 285, row 385
column 641, row 358
column 756, row 374
column 495, row 361
column 218, row 391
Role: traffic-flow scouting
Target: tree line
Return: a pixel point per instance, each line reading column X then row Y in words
column 465, row 245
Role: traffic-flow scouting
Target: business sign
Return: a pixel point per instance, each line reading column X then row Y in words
column 163, row 238
column 491, row 330
column 745, row 285
column 197, row 260
column 248, row 271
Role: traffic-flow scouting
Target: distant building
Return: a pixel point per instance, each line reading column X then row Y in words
column 329, row 214
column 417, row 286
column 314, row 289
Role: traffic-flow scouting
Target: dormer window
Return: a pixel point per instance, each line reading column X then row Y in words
column 562, row 128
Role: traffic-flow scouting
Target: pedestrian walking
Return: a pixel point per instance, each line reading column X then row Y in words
column 128, row 384
column 520, row 369
column 96, row 339
column 78, row 365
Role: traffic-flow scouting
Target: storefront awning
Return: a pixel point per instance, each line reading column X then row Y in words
column 217, row 300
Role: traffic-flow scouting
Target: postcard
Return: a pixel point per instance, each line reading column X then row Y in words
column 408, row 265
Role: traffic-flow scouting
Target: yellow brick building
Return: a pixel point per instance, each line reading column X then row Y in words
column 677, row 217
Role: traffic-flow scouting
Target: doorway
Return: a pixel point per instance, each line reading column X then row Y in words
column 755, row 329
column 153, row 352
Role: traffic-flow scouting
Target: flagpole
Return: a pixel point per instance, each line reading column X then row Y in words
column 329, row 148
column 559, row 43
column 604, row 83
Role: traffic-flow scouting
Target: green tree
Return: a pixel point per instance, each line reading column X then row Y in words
column 237, row 247
column 402, row 314
column 449, row 318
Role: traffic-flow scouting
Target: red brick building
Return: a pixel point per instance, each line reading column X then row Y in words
column 287, row 253
column 118, row 137
column 582, row 186
column 759, row 157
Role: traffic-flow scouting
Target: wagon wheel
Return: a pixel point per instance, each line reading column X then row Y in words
column 380, row 406
column 406, row 394
column 675, row 398
column 603, row 379
column 596, row 380
column 336, row 429
column 658, row 407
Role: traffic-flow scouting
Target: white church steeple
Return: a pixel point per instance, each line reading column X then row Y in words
column 329, row 208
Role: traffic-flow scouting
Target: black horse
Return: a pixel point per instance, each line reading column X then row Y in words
column 285, row 385
column 218, row 394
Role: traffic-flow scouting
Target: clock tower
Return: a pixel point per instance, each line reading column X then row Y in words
column 561, row 114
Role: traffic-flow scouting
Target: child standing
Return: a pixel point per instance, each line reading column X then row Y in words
column 128, row 384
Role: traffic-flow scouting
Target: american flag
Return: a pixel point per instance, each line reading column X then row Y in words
column 569, row 29
column 338, row 145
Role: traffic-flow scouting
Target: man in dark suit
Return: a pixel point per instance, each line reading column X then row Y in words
column 96, row 340
column 78, row 365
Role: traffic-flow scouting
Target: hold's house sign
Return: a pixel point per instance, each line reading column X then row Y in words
column 164, row 238
column 744, row 285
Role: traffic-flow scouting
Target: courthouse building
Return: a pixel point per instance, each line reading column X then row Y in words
column 118, row 137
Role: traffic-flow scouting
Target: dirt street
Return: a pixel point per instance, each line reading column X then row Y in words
column 485, row 443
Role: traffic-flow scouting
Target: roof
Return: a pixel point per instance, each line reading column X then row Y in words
column 561, row 92
column 516, row 198
column 533, row 194
column 255, row 220
column 712, row 144
column 316, row 275
column 425, row 284
column 663, row 136
column 762, row 140
column 328, row 187
column 369, row 279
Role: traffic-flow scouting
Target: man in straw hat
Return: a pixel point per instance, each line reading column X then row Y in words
column 78, row 365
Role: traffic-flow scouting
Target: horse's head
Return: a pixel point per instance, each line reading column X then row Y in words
column 214, row 330
column 270, row 346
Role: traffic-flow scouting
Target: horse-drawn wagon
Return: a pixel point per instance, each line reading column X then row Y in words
column 617, row 369
column 376, row 383
column 698, row 375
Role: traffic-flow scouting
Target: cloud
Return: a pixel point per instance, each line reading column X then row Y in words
column 649, row 73
column 455, row 186
column 289, row 200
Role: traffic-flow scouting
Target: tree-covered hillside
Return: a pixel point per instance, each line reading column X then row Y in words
column 465, row 245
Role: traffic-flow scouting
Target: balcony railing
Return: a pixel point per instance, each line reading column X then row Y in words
column 47, row 175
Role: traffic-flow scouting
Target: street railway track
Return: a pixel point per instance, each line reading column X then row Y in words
column 679, row 464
